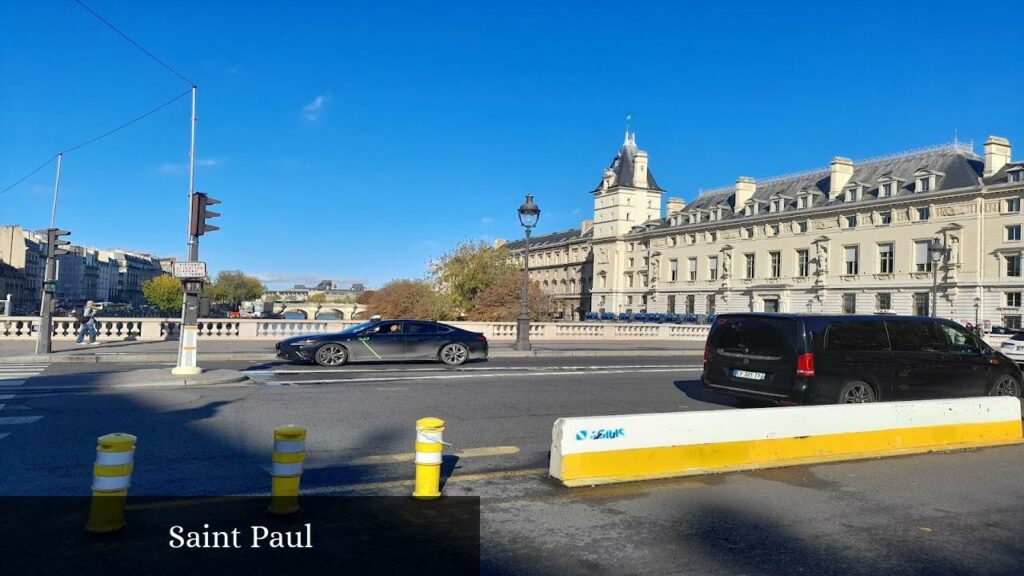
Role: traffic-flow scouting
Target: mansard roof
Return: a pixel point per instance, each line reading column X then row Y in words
column 622, row 166
column 1002, row 176
column 955, row 165
column 549, row 240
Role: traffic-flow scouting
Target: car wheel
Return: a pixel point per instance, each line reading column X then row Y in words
column 454, row 354
column 1006, row 385
column 331, row 355
column 857, row 393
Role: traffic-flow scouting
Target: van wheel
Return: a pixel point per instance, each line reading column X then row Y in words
column 1006, row 385
column 857, row 393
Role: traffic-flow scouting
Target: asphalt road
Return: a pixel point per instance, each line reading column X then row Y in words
column 956, row 513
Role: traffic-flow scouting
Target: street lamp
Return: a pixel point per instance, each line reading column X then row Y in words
column 977, row 306
column 529, row 213
column 936, row 250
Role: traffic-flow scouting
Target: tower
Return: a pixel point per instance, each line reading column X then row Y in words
column 628, row 195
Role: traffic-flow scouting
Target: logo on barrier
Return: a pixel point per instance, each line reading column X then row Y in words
column 602, row 434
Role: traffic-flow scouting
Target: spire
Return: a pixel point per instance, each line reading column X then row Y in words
column 628, row 138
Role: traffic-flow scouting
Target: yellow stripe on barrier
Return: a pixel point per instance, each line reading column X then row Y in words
column 591, row 468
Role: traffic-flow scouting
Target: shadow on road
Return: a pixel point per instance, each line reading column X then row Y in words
column 696, row 391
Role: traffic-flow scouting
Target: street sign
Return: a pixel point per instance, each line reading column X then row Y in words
column 190, row 269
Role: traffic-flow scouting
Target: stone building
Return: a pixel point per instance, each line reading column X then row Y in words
column 854, row 237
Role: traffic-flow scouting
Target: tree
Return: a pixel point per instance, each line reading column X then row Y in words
column 317, row 299
column 365, row 297
column 414, row 299
column 233, row 286
column 501, row 301
column 469, row 270
column 164, row 292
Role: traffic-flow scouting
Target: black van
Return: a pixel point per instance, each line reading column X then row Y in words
column 818, row 359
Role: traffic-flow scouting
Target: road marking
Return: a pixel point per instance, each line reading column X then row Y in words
column 408, row 457
column 13, row 420
column 353, row 370
column 539, row 472
column 461, row 376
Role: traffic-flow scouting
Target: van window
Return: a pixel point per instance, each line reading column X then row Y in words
column 914, row 337
column 757, row 336
column 958, row 339
column 863, row 336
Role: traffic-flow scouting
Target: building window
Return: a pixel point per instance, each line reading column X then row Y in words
column 673, row 270
column 673, row 240
column 851, row 221
column 629, row 300
column 671, row 306
column 632, row 246
column 883, row 301
column 921, row 304
column 748, row 232
column 801, row 227
column 710, row 305
column 712, row 236
column 776, row 264
column 773, row 229
column 691, row 304
column 849, row 303
column 924, row 213
column 1013, row 233
column 924, row 184
column 852, row 260
column 1015, row 176
column 921, row 260
column 1013, row 266
column 1011, row 205
column 1013, row 299
column 629, row 280
column 803, row 262
column 750, row 265
column 629, row 262
column 713, row 267
column 692, row 266
column 885, row 259
column 885, row 218
column 886, row 190
column 1012, row 321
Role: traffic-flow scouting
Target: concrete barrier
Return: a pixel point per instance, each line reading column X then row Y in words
column 607, row 449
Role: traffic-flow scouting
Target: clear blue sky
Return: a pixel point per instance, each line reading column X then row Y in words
column 434, row 119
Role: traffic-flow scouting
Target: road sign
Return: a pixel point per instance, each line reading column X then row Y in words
column 190, row 269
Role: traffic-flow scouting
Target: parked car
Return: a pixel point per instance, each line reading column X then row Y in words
column 1013, row 348
column 387, row 340
column 809, row 359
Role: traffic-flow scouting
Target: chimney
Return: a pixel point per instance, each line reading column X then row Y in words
column 997, row 154
column 839, row 174
column 745, row 188
column 500, row 242
column 640, row 169
column 675, row 205
column 585, row 226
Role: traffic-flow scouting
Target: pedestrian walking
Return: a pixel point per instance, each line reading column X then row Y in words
column 87, row 319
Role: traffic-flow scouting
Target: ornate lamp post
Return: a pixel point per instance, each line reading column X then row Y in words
column 977, row 306
column 936, row 250
column 529, row 213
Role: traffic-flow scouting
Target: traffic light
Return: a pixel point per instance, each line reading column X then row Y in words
column 200, row 214
column 54, row 243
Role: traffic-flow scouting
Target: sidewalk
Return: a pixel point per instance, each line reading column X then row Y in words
column 19, row 352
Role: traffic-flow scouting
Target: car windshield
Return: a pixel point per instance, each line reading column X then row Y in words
column 357, row 328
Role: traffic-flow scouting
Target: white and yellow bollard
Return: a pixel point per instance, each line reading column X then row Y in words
column 286, row 469
column 112, row 474
column 429, row 445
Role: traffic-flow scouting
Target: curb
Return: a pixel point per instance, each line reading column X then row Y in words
column 124, row 358
column 212, row 378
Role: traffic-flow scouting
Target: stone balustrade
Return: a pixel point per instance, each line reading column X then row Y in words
column 155, row 329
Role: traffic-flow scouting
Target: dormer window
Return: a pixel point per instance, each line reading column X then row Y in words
column 1015, row 175
column 885, row 190
column 924, row 184
column 751, row 209
column 804, row 201
column 852, row 194
column 924, row 180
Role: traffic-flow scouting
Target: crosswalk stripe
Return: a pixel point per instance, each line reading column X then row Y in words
column 12, row 420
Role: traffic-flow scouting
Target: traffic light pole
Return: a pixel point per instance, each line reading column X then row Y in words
column 188, row 340
column 44, row 343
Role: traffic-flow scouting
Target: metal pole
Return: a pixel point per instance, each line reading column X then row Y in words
column 188, row 340
column 523, row 321
column 44, row 344
column 935, row 292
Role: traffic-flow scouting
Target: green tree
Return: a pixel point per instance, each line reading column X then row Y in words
column 233, row 286
column 502, row 300
column 164, row 292
column 468, row 270
column 317, row 299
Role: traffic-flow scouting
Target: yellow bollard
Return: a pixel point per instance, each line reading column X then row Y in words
column 112, row 474
column 429, row 445
column 286, row 469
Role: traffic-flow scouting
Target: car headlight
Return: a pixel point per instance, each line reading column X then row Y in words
column 306, row 342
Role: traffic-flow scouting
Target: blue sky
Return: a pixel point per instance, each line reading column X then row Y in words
column 356, row 141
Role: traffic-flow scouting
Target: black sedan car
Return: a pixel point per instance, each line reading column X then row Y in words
column 387, row 340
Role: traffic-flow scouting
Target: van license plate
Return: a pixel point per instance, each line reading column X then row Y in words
column 748, row 375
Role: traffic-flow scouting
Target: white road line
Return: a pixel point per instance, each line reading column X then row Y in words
column 12, row 420
column 458, row 376
column 442, row 369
